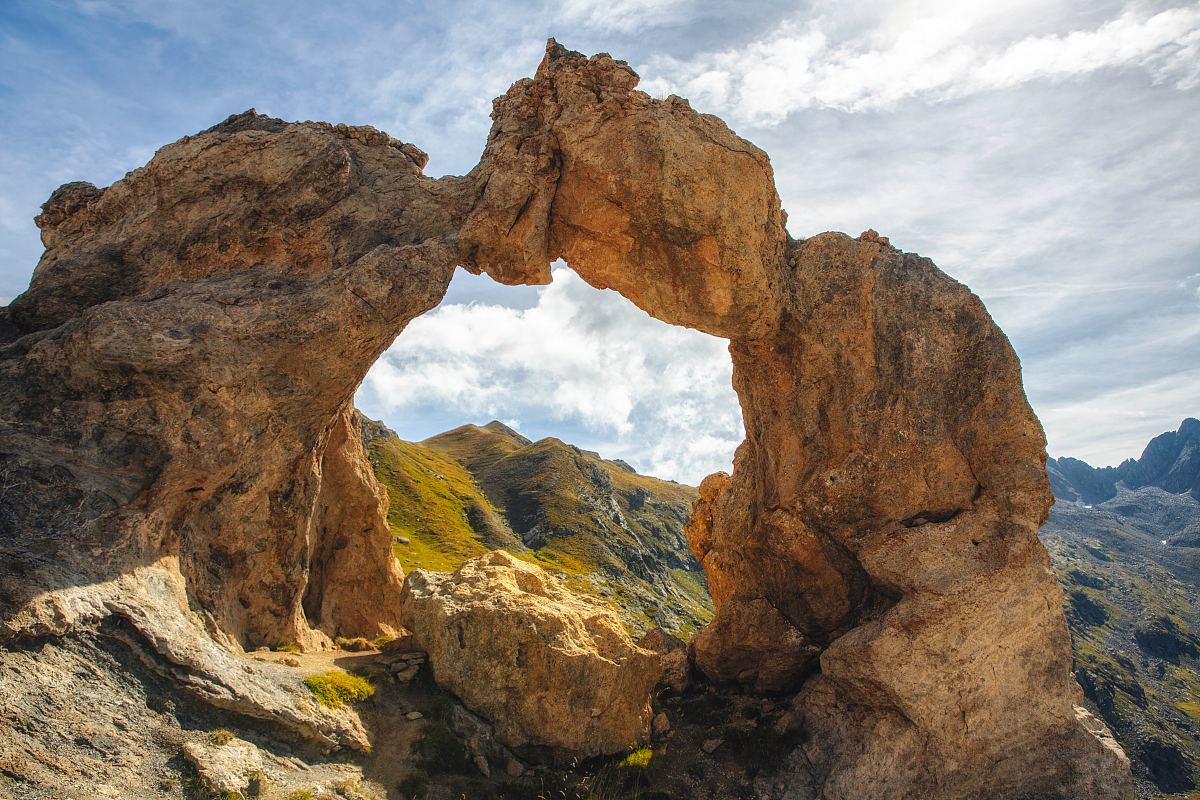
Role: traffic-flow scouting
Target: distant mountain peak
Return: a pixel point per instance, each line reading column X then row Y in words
column 496, row 426
column 1170, row 461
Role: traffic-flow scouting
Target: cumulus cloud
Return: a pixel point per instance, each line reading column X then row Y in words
column 935, row 57
column 578, row 360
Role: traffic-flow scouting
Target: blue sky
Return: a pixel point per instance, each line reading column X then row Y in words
column 1042, row 152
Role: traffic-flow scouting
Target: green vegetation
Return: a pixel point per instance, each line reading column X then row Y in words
column 1190, row 707
column 466, row 491
column 429, row 496
column 221, row 737
column 638, row 759
column 333, row 689
column 301, row 794
column 287, row 648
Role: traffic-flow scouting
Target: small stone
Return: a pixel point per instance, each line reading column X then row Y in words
column 291, row 661
column 710, row 745
column 405, row 674
column 514, row 768
column 413, row 715
column 263, row 649
column 660, row 724
column 401, row 539
column 481, row 764
column 595, row 713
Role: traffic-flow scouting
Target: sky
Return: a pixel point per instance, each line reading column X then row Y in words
column 1045, row 153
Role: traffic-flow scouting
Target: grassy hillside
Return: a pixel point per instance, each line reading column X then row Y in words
column 604, row 529
column 1134, row 612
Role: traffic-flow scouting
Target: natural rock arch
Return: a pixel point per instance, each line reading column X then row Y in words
column 177, row 426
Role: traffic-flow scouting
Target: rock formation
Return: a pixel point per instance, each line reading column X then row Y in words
column 175, row 388
column 554, row 671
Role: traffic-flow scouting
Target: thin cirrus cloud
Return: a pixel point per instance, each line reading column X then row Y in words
column 933, row 58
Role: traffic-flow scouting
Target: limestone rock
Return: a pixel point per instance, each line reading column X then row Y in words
column 225, row 769
column 550, row 670
column 175, row 391
column 750, row 644
column 673, row 653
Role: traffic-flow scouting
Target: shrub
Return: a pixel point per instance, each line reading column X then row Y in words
column 287, row 648
column 301, row 794
column 221, row 737
column 638, row 759
column 333, row 689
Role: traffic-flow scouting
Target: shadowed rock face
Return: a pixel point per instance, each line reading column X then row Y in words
column 176, row 383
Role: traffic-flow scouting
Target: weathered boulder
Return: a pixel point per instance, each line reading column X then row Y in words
column 175, row 390
column 177, row 381
column 673, row 653
column 226, row 767
column 553, row 671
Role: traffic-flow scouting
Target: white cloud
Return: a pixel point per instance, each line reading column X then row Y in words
column 657, row 395
column 620, row 15
column 1129, row 418
column 935, row 57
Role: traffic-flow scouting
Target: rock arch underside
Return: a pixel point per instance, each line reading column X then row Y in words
column 180, row 453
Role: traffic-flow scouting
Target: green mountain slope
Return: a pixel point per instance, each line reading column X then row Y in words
column 605, row 529
column 1128, row 558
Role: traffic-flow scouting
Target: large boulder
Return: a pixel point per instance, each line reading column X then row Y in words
column 555, row 672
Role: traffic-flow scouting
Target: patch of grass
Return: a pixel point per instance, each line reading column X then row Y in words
column 334, row 689
column 439, row 751
column 287, row 648
column 429, row 496
column 221, row 737
column 638, row 759
column 301, row 794
column 1191, row 708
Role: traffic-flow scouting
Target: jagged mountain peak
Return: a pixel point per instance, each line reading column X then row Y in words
column 1170, row 461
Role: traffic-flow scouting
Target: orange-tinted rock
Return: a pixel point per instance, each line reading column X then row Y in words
column 553, row 671
column 751, row 645
column 174, row 389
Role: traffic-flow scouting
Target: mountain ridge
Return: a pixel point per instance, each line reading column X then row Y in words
column 1170, row 461
column 600, row 525
column 1125, row 544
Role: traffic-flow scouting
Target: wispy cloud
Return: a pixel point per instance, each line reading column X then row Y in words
column 935, row 58
column 622, row 15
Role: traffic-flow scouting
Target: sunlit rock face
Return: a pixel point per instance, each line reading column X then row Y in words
column 176, row 381
column 556, row 671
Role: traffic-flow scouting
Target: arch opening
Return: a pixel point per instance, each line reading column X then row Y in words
column 562, row 424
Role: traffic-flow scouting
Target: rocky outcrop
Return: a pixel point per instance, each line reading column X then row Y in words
column 555, row 672
column 751, row 645
column 174, row 387
column 226, row 766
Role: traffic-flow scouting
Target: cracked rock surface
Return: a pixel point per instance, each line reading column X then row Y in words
column 175, row 392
